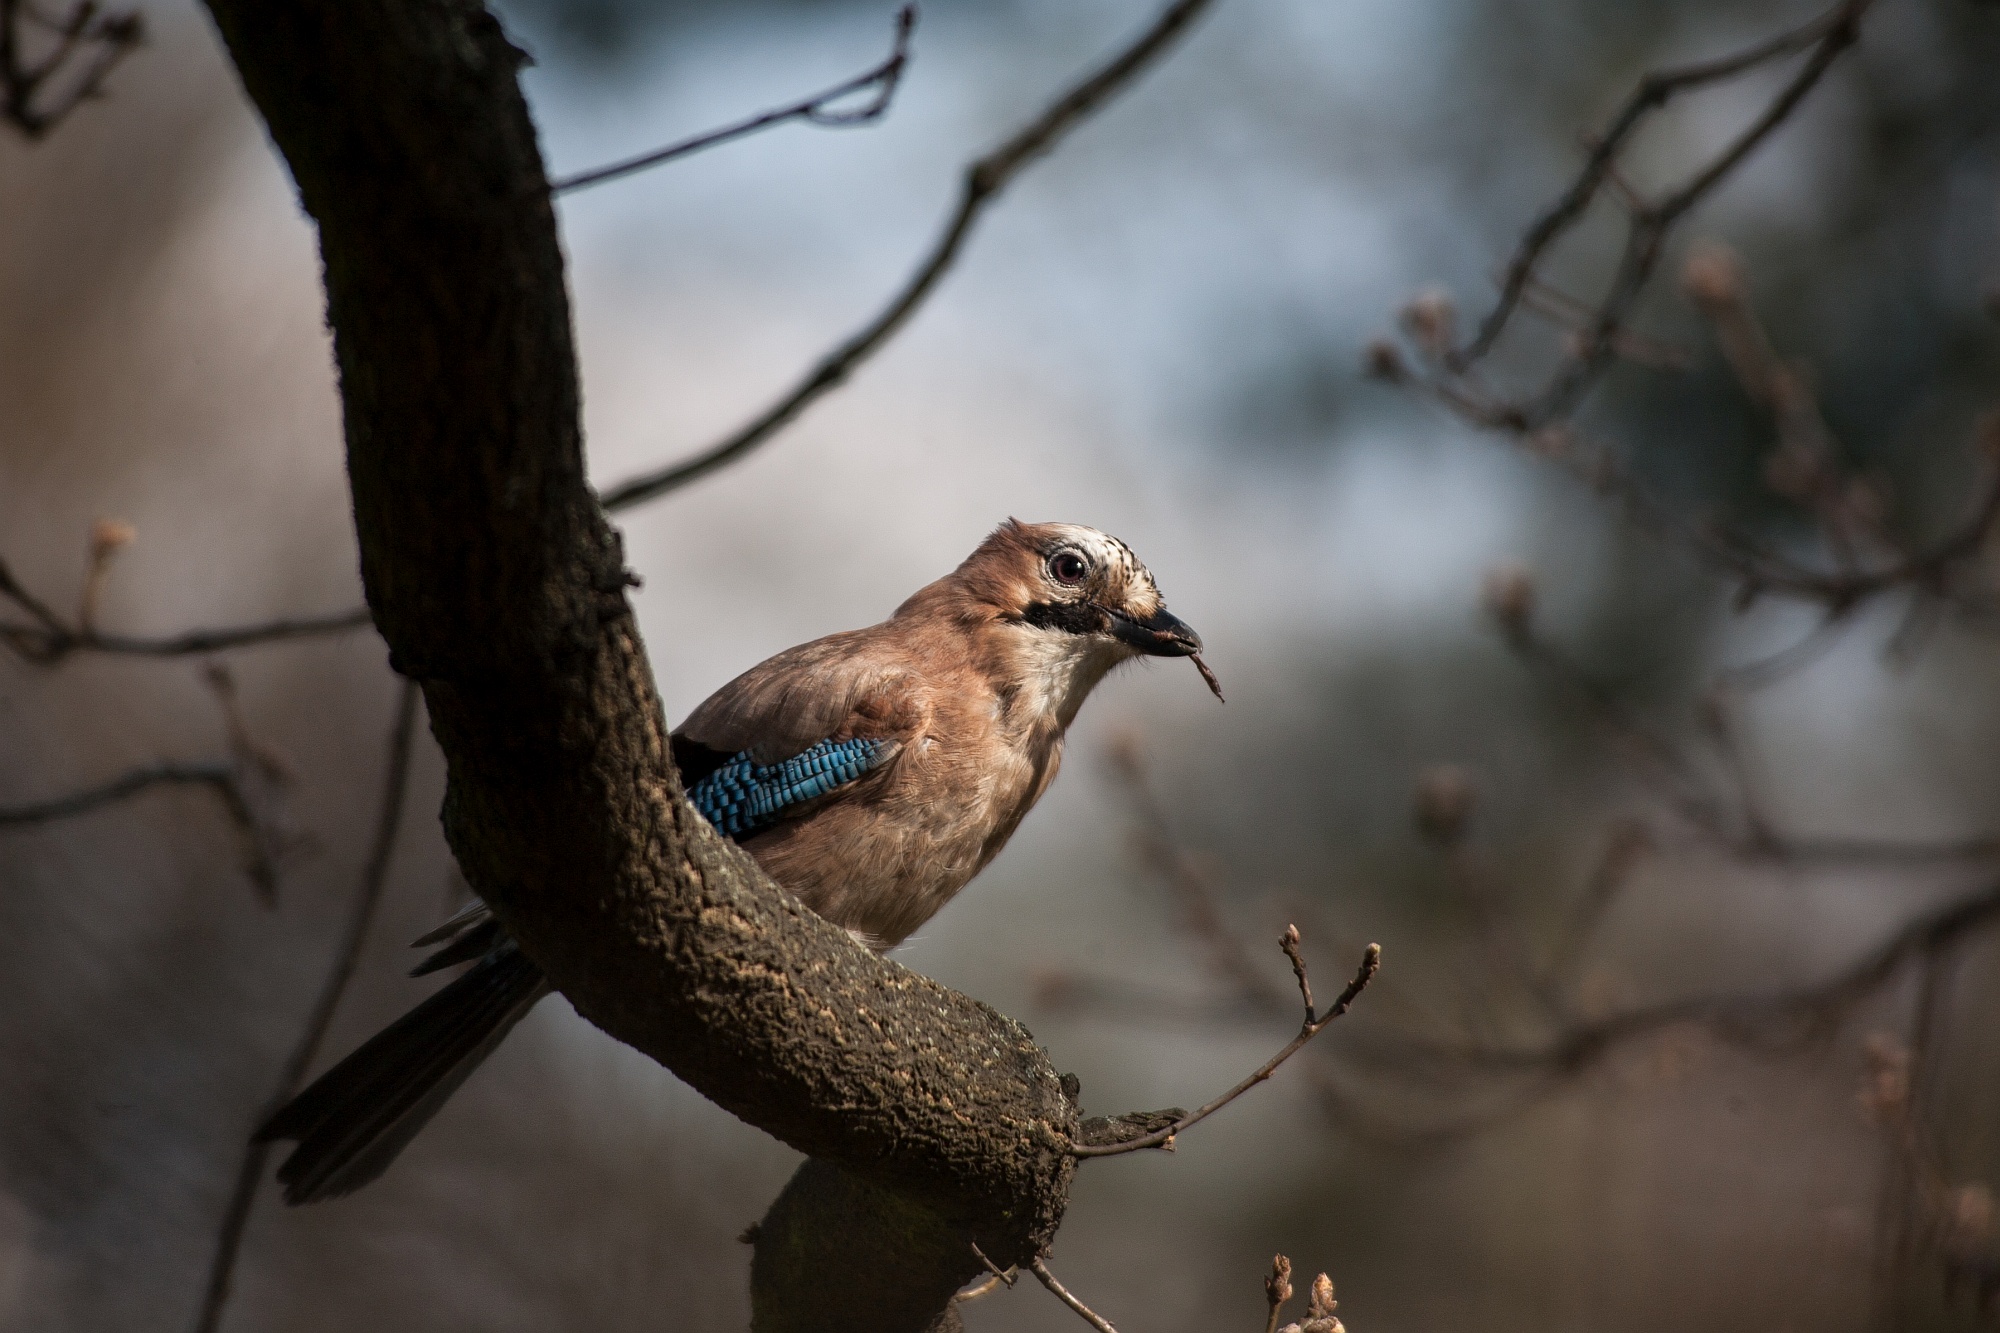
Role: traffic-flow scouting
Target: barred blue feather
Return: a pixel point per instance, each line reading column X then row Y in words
column 743, row 796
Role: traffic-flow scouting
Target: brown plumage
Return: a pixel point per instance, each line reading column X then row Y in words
column 973, row 690
column 968, row 688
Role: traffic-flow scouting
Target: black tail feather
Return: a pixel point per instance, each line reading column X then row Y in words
column 353, row 1121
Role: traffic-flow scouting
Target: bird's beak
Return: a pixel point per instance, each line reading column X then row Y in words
column 1161, row 634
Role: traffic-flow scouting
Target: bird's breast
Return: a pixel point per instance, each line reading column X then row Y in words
column 913, row 833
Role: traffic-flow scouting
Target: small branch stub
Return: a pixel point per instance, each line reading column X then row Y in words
column 1062, row 1293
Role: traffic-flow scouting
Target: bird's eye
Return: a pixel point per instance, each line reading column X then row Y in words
column 1068, row 567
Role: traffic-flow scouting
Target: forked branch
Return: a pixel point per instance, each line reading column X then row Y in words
column 249, row 784
column 1312, row 1026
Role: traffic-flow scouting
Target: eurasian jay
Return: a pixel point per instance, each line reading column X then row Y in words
column 872, row 773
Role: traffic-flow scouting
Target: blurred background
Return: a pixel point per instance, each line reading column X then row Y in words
column 1159, row 331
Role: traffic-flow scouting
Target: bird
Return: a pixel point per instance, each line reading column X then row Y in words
column 873, row 773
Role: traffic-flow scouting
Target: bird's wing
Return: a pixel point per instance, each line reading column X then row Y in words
column 787, row 731
column 795, row 727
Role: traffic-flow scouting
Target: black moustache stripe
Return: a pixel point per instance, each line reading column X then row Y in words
column 1069, row 617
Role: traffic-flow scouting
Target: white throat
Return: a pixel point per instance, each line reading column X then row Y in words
column 1057, row 670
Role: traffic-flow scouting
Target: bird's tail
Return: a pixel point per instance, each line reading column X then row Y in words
column 356, row 1117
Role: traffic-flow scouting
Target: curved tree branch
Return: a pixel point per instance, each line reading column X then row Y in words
column 499, row 587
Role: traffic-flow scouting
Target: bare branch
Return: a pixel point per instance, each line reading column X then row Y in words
column 220, row 776
column 1734, row 827
column 49, row 638
column 262, row 850
column 983, row 181
column 999, row 1274
column 1848, row 508
column 1775, row 1019
column 1371, row 960
column 81, row 49
column 1826, row 36
column 1088, row 1315
column 374, row 875
column 819, row 109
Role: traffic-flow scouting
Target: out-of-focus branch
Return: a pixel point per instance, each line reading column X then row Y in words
column 47, row 638
column 78, row 52
column 1775, row 1019
column 249, row 785
column 218, row 775
column 374, row 874
column 1484, row 1079
column 1735, row 825
column 983, row 181
column 1627, row 845
column 821, row 108
column 1829, row 33
column 1802, row 468
column 1650, row 223
column 1116, row 1141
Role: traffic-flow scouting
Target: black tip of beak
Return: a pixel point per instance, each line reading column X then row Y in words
column 1161, row 634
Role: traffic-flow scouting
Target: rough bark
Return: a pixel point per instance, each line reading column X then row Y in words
column 499, row 586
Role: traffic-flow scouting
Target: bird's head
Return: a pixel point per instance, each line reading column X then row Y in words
column 1072, row 601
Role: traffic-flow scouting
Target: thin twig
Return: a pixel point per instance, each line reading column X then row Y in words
column 1048, row 1279
column 374, row 875
column 1751, row 1019
column 1371, row 960
column 983, row 181
column 1000, row 1274
column 50, row 638
column 263, row 848
column 219, row 776
column 817, row 110
column 1741, row 833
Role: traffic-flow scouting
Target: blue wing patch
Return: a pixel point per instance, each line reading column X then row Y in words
column 743, row 796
